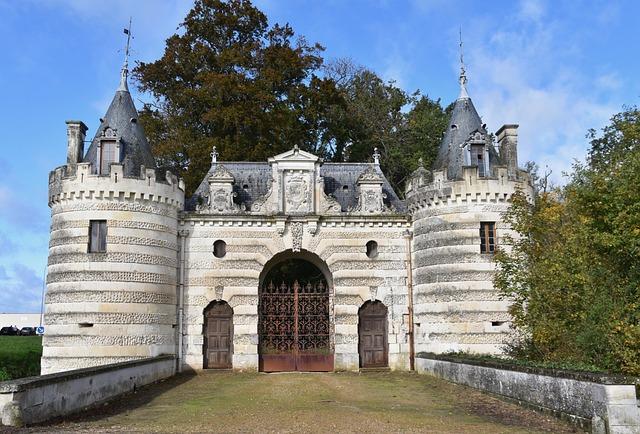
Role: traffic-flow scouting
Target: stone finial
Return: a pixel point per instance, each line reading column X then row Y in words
column 214, row 155
column 376, row 156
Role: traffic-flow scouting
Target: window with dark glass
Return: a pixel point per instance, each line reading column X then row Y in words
column 477, row 158
column 487, row 237
column 97, row 236
column 372, row 249
column 219, row 249
column 107, row 156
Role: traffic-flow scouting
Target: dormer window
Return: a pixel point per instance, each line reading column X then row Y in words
column 108, row 150
column 107, row 155
column 477, row 159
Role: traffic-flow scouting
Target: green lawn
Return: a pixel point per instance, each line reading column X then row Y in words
column 19, row 356
column 386, row 402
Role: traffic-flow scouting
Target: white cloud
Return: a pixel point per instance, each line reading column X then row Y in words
column 520, row 74
column 609, row 82
column 396, row 68
column 532, row 10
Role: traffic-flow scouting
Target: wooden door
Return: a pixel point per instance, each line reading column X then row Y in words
column 372, row 335
column 218, row 332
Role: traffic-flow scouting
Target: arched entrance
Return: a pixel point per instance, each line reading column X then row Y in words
column 373, row 347
column 294, row 325
column 218, row 335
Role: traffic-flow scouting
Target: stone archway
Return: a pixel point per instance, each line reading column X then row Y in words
column 373, row 347
column 294, row 326
column 218, row 336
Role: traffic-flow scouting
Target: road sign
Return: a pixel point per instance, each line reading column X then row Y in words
column 40, row 330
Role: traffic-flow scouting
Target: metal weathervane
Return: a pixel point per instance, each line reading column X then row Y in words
column 125, row 67
column 127, row 31
column 463, row 72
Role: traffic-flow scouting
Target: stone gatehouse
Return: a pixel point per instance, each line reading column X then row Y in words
column 286, row 264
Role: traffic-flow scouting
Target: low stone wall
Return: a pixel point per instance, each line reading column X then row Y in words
column 37, row 399
column 603, row 404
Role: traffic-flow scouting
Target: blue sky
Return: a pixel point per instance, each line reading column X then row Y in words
column 556, row 68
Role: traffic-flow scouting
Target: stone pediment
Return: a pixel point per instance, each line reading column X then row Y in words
column 369, row 176
column 477, row 137
column 295, row 155
column 221, row 173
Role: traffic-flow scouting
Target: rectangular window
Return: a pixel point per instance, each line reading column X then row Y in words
column 97, row 236
column 477, row 158
column 487, row 237
column 107, row 156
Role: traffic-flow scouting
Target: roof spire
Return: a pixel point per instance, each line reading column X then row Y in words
column 463, row 72
column 125, row 67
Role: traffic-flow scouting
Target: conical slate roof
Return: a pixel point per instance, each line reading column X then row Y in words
column 464, row 121
column 122, row 116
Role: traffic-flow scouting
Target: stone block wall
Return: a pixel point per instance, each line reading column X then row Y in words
column 121, row 304
column 32, row 400
column 456, row 305
column 338, row 242
column 599, row 403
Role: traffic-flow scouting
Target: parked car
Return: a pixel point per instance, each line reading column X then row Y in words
column 9, row 331
column 28, row 331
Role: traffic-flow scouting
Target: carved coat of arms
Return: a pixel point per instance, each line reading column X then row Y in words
column 297, row 193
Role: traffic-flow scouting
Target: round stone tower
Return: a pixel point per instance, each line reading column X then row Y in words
column 457, row 217
column 111, row 281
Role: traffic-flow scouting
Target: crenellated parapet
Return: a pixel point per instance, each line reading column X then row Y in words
column 428, row 189
column 68, row 183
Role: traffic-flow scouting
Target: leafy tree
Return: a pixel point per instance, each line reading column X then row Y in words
column 378, row 114
column 426, row 122
column 231, row 80
column 574, row 271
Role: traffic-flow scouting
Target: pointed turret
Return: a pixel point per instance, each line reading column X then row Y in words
column 464, row 121
column 120, row 138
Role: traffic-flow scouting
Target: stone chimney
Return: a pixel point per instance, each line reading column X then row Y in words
column 508, row 143
column 76, row 132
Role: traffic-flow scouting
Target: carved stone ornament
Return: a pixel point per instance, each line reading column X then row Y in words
column 263, row 203
column 369, row 175
column 221, row 193
column 373, row 292
column 220, row 172
column 312, row 226
column 371, row 197
column 297, row 193
column 329, row 205
column 220, row 200
column 109, row 132
column 219, row 290
column 372, row 202
column 296, row 236
column 476, row 138
column 419, row 177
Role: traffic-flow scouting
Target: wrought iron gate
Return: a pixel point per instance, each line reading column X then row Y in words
column 294, row 327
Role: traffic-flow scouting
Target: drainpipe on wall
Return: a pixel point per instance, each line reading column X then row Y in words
column 408, row 235
column 182, row 234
